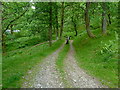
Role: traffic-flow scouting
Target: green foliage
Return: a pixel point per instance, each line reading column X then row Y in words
column 111, row 47
column 11, row 12
column 65, row 34
column 23, row 42
column 44, row 36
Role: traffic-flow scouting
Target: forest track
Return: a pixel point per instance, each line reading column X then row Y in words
column 76, row 76
column 44, row 75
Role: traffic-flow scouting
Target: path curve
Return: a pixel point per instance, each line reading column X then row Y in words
column 46, row 76
column 77, row 76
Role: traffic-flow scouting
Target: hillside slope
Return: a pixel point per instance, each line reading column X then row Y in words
column 99, row 56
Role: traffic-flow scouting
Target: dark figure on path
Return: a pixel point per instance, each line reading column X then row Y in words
column 67, row 40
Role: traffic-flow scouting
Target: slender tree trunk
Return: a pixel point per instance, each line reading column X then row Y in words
column 75, row 26
column 109, row 18
column 11, row 29
column 56, row 17
column 104, row 20
column 50, row 24
column 62, row 20
column 3, row 43
column 75, row 29
column 54, row 29
column 87, row 20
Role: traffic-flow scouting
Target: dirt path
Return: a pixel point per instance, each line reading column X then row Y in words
column 46, row 76
column 77, row 77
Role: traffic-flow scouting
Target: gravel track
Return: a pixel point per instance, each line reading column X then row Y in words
column 45, row 74
column 77, row 76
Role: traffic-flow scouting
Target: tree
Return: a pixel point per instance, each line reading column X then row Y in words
column 50, row 24
column 104, row 19
column 75, row 25
column 87, row 20
column 109, row 18
column 109, row 13
column 56, row 19
column 62, row 20
column 75, row 15
column 10, row 10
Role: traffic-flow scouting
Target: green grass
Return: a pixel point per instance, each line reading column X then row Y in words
column 89, row 57
column 60, row 63
column 16, row 65
column 22, row 43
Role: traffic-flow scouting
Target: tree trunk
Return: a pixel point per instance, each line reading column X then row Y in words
column 104, row 20
column 11, row 29
column 87, row 20
column 62, row 20
column 109, row 18
column 74, row 24
column 3, row 44
column 54, row 29
column 56, row 17
column 75, row 29
column 50, row 24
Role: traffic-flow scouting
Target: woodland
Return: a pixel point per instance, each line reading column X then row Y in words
column 36, row 33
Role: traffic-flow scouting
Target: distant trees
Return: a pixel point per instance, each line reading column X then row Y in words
column 48, row 19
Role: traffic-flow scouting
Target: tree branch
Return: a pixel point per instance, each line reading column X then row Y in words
column 15, row 19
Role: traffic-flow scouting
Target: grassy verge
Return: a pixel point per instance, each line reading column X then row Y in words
column 98, row 57
column 16, row 66
column 60, row 63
